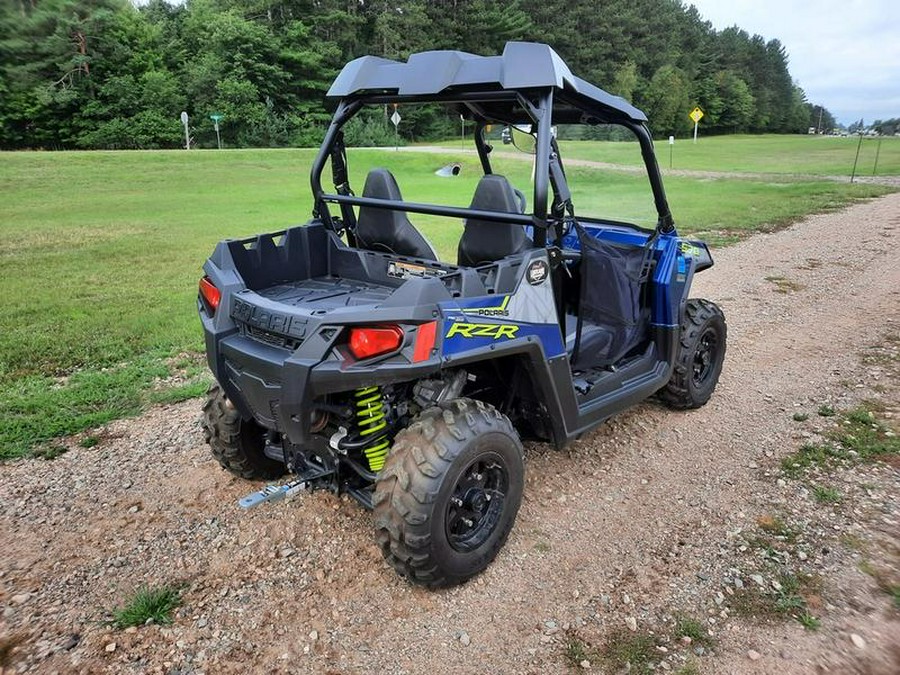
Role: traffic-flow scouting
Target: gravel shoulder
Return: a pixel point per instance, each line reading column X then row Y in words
column 637, row 523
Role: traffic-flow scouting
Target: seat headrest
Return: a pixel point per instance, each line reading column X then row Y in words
column 381, row 184
column 494, row 193
column 485, row 241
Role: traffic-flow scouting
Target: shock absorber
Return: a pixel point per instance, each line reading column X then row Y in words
column 371, row 424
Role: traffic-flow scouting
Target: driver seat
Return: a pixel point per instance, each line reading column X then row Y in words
column 388, row 230
column 486, row 241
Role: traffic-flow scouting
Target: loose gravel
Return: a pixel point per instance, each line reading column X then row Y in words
column 649, row 518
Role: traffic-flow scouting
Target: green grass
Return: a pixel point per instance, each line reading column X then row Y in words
column 101, row 253
column 687, row 626
column 148, row 603
column 826, row 495
column 630, row 652
column 814, row 155
column 576, row 651
column 894, row 593
column 790, row 601
column 858, row 437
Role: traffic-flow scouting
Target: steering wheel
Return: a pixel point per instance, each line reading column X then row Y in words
column 521, row 197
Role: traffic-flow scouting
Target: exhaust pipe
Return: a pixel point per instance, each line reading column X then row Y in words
column 449, row 171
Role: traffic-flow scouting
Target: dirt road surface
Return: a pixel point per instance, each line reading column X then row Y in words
column 642, row 521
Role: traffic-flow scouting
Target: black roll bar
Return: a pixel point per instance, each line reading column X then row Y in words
column 540, row 112
column 430, row 209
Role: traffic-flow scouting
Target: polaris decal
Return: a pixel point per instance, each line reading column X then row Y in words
column 498, row 310
column 481, row 330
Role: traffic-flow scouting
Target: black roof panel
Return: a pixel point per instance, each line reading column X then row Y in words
column 523, row 65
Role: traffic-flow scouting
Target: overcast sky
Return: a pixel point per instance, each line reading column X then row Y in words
column 844, row 53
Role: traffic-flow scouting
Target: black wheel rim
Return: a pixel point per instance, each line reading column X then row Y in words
column 476, row 503
column 705, row 356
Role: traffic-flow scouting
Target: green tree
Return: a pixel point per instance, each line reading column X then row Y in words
column 666, row 101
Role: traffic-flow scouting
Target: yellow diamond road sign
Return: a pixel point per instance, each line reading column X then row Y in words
column 696, row 115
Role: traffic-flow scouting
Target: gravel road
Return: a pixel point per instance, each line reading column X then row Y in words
column 639, row 521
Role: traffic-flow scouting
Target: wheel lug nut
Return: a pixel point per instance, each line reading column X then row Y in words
column 456, row 501
column 467, row 522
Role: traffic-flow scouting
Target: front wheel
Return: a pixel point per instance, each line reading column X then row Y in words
column 448, row 495
column 701, row 353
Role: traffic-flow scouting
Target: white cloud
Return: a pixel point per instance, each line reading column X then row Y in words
column 845, row 54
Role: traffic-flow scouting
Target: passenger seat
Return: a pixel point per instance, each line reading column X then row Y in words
column 388, row 230
column 486, row 241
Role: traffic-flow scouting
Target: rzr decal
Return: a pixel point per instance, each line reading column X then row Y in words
column 491, row 330
column 690, row 250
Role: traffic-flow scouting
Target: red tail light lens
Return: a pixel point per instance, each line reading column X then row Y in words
column 366, row 342
column 210, row 293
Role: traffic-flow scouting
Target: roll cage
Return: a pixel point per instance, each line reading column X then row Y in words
column 566, row 100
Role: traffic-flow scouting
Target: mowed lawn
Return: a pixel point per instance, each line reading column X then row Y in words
column 814, row 155
column 100, row 253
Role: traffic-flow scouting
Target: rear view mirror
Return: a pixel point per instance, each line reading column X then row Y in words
column 522, row 139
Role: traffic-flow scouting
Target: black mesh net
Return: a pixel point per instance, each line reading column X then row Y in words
column 611, row 321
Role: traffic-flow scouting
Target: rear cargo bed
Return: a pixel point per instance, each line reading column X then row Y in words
column 326, row 293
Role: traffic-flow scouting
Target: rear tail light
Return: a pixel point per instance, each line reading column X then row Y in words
column 368, row 342
column 210, row 294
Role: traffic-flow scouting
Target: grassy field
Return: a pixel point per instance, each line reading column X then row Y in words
column 815, row 155
column 100, row 254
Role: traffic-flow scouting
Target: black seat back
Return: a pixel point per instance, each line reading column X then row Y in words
column 485, row 241
column 385, row 229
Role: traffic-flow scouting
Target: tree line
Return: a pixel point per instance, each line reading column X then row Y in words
column 107, row 74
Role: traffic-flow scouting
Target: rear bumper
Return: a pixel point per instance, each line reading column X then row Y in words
column 279, row 388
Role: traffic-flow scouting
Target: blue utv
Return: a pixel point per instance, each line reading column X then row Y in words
column 346, row 353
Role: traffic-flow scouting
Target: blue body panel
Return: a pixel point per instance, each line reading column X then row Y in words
column 471, row 324
column 455, row 342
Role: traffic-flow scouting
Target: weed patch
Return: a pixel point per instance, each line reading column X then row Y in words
column 49, row 451
column 632, row 652
column 577, row 650
column 687, row 626
column 858, row 437
column 148, row 603
column 775, row 526
column 790, row 597
column 826, row 495
column 784, row 285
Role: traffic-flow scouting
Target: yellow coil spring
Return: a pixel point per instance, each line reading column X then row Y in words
column 370, row 418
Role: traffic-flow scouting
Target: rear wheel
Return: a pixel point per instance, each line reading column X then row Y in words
column 449, row 493
column 701, row 354
column 237, row 444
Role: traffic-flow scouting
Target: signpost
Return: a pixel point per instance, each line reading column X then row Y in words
column 215, row 118
column 187, row 133
column 696, row 115
column 395, row 118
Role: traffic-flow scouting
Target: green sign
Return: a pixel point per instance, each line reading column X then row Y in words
column 216, row 117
